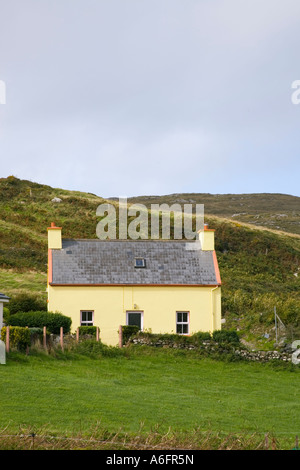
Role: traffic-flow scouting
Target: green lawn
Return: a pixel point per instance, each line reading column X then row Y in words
column 168, row 388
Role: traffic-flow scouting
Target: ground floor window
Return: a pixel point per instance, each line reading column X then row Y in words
column 86, row 318
column 182, row 323
column 135, row 318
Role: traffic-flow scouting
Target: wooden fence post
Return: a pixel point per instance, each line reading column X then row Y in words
column 27, row 347
column 266, row 442
column 7, row 339
column 62, row 338
column 120, row 337
column 97, row 333
column 44, row 338
column 77, row 335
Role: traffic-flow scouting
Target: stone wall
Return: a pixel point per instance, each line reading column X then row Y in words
column 212, row 348
column 264, row 356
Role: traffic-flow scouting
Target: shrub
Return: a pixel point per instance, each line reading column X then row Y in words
column 36, row 334
column 201, row 336
column 5, row 314
column 52, row 321
column 226, row 336
column 96, row 349
column 19, row 337
column 173, row 339
column 26, row 303
column 128, row 331
column 87, row 330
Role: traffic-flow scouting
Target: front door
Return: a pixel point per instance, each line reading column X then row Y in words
column 135, row 318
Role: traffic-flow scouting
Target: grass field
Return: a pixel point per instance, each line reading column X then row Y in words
column 137, row 392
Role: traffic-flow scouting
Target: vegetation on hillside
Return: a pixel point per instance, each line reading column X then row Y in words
column 259, row 268
column 273, row 211
column 26, row 212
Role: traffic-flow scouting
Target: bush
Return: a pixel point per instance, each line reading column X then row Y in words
column 87, row 330
column 52, row 321
column 5, row 314
column 36, row 335
column 226, row 336
column 173, row 339
column 96, row 349
column 201, row 336
column 128, row 331
column 26, row 303
column 19, row 337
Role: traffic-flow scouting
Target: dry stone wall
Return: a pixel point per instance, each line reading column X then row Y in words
column 211, row 348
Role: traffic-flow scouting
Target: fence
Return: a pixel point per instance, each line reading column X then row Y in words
column 61, row 337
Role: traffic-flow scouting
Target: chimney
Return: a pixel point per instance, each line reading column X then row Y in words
column 207, row 238
column 54, row 237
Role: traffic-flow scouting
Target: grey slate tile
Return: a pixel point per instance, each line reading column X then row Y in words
column 112, row 262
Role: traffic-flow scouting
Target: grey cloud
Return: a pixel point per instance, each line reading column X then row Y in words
column 125, row 97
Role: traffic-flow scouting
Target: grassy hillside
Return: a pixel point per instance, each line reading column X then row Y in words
column 260, row 270
column 275, row 211
column 260, row 267
column 26, row 212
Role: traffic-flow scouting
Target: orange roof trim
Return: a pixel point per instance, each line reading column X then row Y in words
column 50, row 266
column 135, row 285
column 217, row 271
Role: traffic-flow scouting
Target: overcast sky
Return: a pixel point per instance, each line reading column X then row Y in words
column 135, row 97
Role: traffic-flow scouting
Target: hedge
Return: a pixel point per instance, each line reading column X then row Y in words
column 226, row 336
column 128, row 331
column 195, row 339
column 19, row 337
column 52, row 321
column 88, row 330
column 201, row 336
column 26, row 303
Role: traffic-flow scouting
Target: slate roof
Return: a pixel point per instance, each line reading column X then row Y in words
column 113, row 262
column 4, row 298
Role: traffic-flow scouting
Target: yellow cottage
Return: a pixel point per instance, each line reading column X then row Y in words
column 162, row 286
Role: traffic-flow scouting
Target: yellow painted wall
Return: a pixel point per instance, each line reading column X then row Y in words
column 158, row 303
column 54, row 238
column 207, row 239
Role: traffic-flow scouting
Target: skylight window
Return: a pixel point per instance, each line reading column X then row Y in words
column 139, row 263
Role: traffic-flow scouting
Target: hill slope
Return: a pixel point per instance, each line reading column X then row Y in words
column 275, row 211
column 26, row 212
column 260, row 268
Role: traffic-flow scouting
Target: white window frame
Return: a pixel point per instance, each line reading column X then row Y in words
column 135, row 311
column 86, row 322
column 183, row 322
